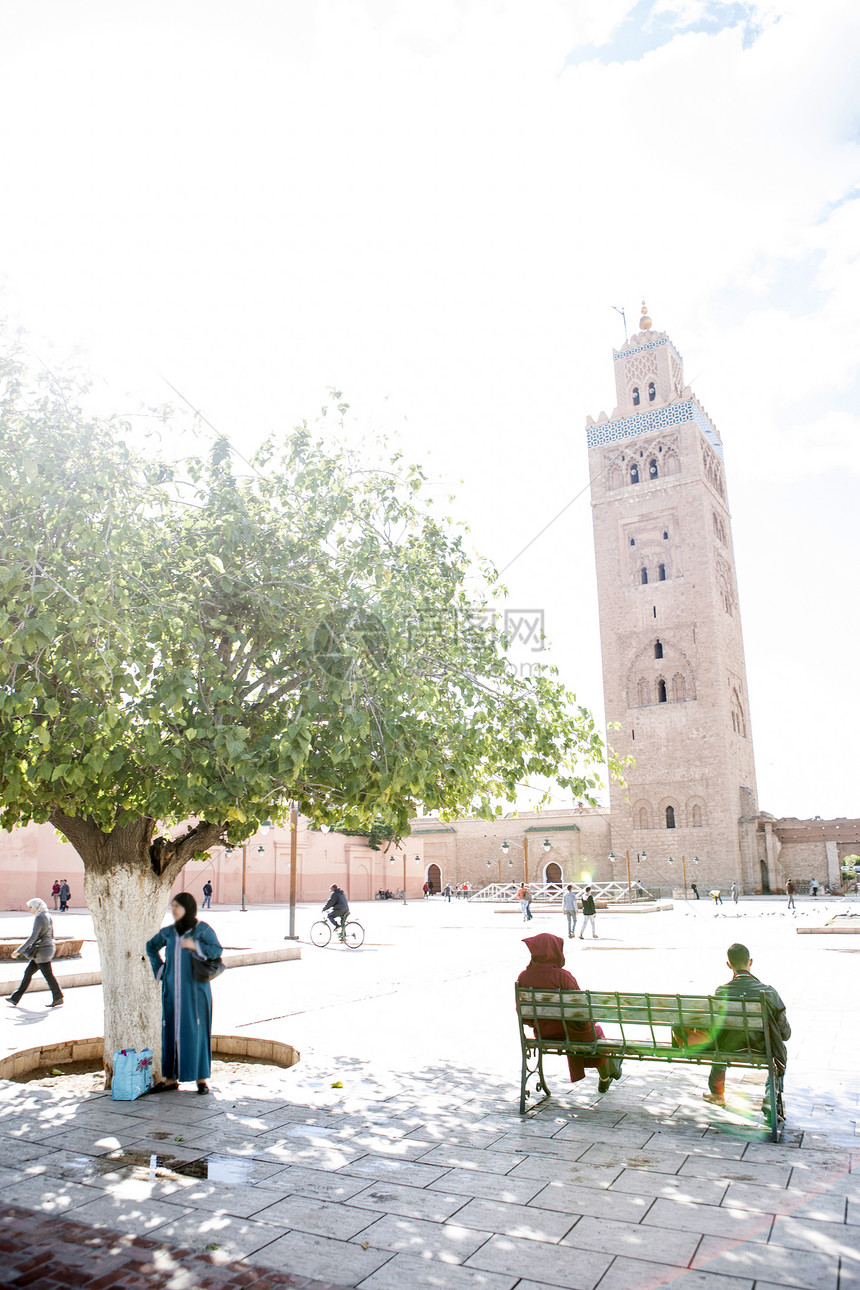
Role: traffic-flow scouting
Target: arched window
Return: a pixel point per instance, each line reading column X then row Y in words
column 697, row 816
column 670, row 817
column 662, row 697
column 643, row 818
column 652, row 468
column 644, row 693
column 635, row 396
column 632, row 541
column 665, row 535
column 658, row 649
column 616, row 479
column 679, row 686
column 661, row 573
column 634, row 474
column 643, row 576
column 652, row 392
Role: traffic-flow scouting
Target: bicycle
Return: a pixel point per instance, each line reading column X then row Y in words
column 351, row 933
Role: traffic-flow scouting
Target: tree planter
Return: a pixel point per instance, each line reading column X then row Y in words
column 233, row 1047
column 66, row 948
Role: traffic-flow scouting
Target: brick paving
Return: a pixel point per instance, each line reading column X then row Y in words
column 46, row 1253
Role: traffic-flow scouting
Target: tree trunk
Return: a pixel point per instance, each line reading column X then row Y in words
column 128, row 903
column 127, row 882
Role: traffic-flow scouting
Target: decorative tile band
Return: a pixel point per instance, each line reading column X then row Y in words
column 652, row 344
column 654, row 419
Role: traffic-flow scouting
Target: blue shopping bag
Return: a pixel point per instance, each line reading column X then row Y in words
column 132, row 1074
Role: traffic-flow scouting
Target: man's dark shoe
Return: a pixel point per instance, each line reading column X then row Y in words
column 55, row 1003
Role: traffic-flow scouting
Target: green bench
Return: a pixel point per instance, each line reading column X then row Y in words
column 653, row 1028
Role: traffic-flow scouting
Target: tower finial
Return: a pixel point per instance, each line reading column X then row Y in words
column 644, row 321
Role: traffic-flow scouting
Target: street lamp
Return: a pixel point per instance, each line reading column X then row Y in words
column 505, row 848
column 629, row 885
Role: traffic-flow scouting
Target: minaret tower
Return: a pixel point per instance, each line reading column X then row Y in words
column 674, row 675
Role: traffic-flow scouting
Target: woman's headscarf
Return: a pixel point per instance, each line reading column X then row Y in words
column 37, row 906
column 188, row 921
column 546, row 948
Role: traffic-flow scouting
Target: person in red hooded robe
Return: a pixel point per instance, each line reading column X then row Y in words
column 546, row 971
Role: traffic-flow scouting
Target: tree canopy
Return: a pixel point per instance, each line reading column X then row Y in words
column 210, row 639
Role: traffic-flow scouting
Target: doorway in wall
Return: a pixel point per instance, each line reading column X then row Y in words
column 434, row 875
column 552, row 872
column 765, row 880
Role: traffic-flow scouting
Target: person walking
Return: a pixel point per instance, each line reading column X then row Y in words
column 695, row 890
column 448, row 891
column 813, row 886
column 524, row 896
column 55, row 892
column 568, row 905
column 207, row 894
column 186, row 1003
column 589, row 914
column 426, row 890
column 40, row 948
column 790, row 890
column 734, row 893
column 65, row 896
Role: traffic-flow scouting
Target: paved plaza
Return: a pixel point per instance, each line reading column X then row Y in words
column 393, row 1155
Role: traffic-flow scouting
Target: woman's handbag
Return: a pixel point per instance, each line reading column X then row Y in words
column 132, row 1074
column 206, row 969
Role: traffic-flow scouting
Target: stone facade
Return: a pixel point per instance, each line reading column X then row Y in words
column 673, row 658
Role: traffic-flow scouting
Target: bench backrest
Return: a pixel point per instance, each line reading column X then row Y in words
column 644, row 1018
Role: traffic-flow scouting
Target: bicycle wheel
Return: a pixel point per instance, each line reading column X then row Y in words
column 354, row 935
column 321, row 933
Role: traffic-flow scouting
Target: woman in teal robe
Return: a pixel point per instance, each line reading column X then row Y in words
column 186, row 1003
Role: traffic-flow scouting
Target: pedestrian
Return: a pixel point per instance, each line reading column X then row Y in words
column 813, row 886
column 40, row 949
column 744, row 985
column 467, row 889
column 186, row 1003
column 448, row 891
column 55, row 892
column 790, row 889
column 65, row 896
column 546, row 971
column 589, row 914
column 427, row 890
column 338, row 908
column 695, row 890
column 207, row 894
column 734, row 893
column 568, row 905
column 716, row 895
column 524, row 896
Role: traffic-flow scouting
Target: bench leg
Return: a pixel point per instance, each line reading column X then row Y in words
column 529, row 1072
column 776, row 1106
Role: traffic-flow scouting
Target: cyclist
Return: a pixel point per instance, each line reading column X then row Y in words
column 338, row 909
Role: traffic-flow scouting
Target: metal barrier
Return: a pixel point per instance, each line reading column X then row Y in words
column 616, row 893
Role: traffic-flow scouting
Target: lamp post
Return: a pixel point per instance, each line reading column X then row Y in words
column 505, row 848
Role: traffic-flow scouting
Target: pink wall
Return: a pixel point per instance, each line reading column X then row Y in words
column 32, row 857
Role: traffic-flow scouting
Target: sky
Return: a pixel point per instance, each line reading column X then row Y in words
column 434, row 207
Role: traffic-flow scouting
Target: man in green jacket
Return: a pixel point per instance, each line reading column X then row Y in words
column 744, row 985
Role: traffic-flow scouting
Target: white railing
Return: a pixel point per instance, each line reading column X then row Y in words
column 552, row 892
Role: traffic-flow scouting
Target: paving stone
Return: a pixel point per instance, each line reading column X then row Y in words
column 475, row 1182
column 411, row 1202
column 641, row 1182
column 122, row 1215
column 216, row 1198
column 709, row 1220
column 50, row 1197
column 446, row 1241
column 825, row 1238
column 319, row 1184
column 566, row 1171
column 853, row 1213
column 775, row 1200
column 523, row 1221
column 317, row 1216
column 736, row 1170
column 236, row 1238
column 627, row 1137
column 400, row 1171
column 633, row 1239
column 558, row 1265
column 408, row 1272
column 592, row 1201
column 631, row 1274
column 606, row 1155
column 552, row 1148
column 16, row 1151
column 723, row 1148
column 784, row 1267
column 494, row 1161
column 318, row 1256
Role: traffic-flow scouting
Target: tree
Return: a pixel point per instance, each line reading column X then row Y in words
column 206, row 641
